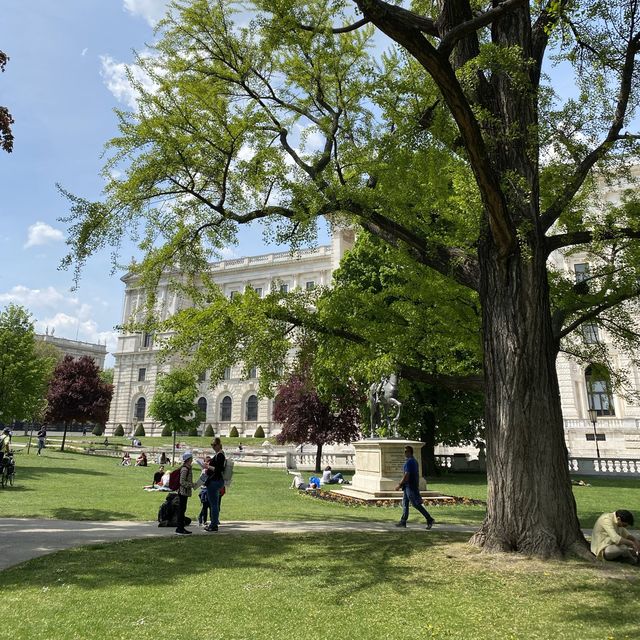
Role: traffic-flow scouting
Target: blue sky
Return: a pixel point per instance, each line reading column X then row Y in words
column 64, row 77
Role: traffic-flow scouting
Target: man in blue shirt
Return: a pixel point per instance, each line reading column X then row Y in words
column 411, row 490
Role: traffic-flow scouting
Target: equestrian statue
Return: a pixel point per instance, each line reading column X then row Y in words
column 383, row 402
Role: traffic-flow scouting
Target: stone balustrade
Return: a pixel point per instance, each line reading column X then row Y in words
column 605, row 466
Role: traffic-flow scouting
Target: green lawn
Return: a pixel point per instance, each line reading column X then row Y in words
column 81, row 487
column 409, row 584
column 342, row 586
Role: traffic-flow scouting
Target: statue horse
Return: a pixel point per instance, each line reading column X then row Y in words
column 382, row 398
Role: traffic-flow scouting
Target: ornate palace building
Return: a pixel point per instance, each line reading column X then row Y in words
column 234, row 401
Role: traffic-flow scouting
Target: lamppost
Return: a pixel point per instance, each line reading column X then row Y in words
column 593, row 416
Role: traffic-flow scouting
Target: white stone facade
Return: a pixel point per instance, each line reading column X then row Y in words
column 135, row 368
column 76, row 348
column 618, row 432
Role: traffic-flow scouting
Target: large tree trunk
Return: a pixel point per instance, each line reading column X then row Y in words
column 530, row 506
column 319, row 458
column 428, row 436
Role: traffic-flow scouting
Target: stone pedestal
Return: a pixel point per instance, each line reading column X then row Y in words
column 379, row 466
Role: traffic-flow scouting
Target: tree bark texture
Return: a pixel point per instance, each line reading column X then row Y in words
column 530, row 503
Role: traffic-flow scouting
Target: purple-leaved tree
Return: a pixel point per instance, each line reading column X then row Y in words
column 306, row 417
column 76, row 392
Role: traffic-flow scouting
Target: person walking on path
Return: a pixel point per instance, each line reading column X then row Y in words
column 184, row 491
column 410, row 487
column 215, row 481
column 42, row 437
column 610, row 539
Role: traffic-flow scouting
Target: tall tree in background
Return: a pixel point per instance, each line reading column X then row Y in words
column 306, row 417
column 436, row 148
column 6, row 120
column 174, row 402
column 24, row 371
column 76, row 393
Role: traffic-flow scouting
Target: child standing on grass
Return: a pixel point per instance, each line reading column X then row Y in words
column 184, row 491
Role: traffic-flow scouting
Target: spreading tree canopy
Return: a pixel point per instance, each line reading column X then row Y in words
column 24, row 369
column 77, row 394
column 434, row 127
column 174, row 401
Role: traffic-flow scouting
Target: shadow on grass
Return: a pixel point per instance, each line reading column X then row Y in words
column 91, row 514
column 610, row 599
column 347, row 563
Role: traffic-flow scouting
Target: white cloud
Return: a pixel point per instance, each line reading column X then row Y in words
column 49, row 297
column 84, row 51
column 117, row 81
column 150, row 10
column 63, row 313
column 41, row 233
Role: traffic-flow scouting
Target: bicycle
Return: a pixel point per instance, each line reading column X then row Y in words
column 8, row 470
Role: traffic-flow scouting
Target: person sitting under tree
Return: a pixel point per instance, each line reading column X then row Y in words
column 610, row 539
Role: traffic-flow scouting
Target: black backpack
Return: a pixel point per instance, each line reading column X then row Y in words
column 166, row 512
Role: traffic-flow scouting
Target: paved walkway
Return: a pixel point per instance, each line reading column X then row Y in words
column 26, row 538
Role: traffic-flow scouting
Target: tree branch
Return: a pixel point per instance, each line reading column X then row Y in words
column 585, row 237
column 393, row 23
column 608, row 303
column 575, row 182
column 351, row 27
column 485, row 18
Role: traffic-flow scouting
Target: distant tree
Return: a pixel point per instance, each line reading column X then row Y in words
column 209, row 432
column 166, row 431
column 234, row 433
column 76, row 393
column 106, row 375
column 259, row 432
column 98, row 430
column 306, row 417
column 23, row 373
column 140, row 430
column 6, row 136
column 118, row 431
column 174, row 402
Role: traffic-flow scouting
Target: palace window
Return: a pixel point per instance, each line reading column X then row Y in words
column 225, row 409
column 141, row 408
column 590, row 333
column 599, row 391
column 581, row 270
column 202, row 405
column 142, row 374
column 252, row 408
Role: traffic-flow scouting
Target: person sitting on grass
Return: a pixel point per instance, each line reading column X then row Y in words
column 141, row 460
column 299, row 484
column 329, row 478
column 610, row 539
column 126, row 459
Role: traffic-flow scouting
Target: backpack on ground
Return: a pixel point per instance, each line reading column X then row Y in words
column 166, row 511
column 174, row 479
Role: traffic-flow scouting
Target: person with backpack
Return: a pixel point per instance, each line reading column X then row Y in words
column 184, row 491
column 215, row 482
